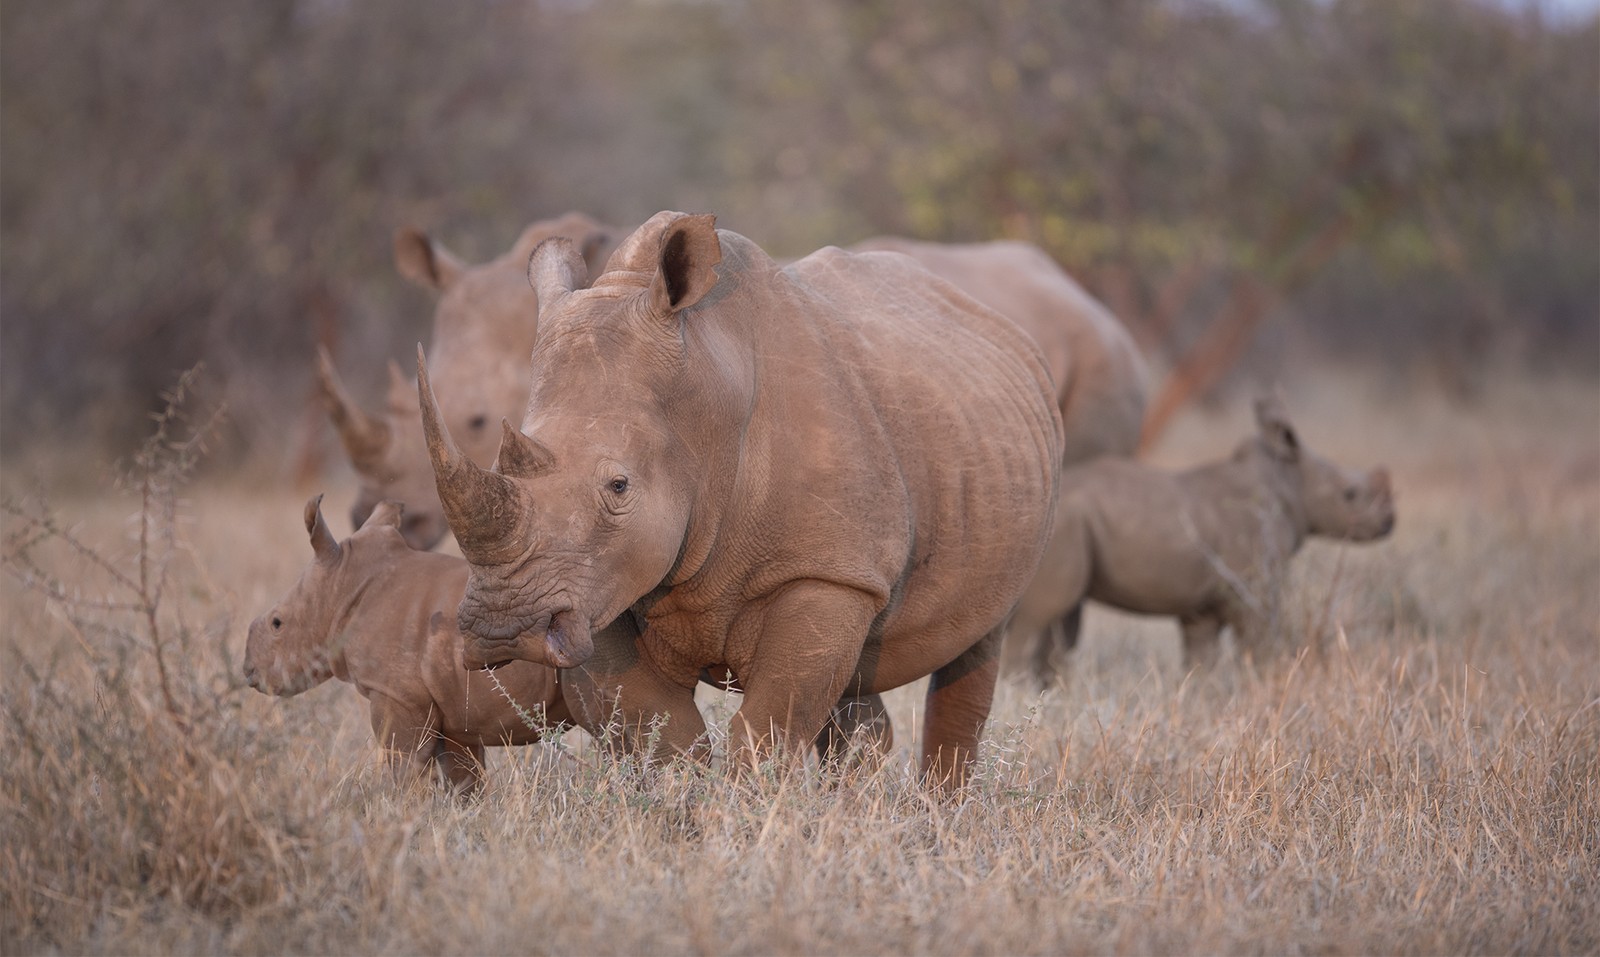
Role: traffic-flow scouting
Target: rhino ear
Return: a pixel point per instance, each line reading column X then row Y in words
column 684, row 271
column 555, row 269
column 388, row 512
column 1276, row 430
column 425, row 262
column 322, row 541
column 519, row 455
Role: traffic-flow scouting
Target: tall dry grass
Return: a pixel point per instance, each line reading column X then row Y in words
column 1417, row 771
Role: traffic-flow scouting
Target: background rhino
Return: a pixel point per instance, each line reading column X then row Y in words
column 831, row 478
column 483, row 332
column 376, row 613
column 1210, row 545
column 1102, row 385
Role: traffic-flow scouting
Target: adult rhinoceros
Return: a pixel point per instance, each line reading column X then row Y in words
column 832, row 477
column 483, row 330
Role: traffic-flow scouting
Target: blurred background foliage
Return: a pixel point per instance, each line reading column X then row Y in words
column 1406, row 184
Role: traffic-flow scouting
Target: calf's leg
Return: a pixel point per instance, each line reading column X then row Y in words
column 407, row 736
column 1202, row 639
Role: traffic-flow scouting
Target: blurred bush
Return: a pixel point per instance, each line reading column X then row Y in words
column 1412, row 182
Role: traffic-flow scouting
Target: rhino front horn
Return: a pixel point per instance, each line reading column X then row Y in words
column 482, row 507
column 365, row 437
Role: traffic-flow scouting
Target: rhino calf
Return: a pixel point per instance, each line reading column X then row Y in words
column 374, row 612
column 1210, row 545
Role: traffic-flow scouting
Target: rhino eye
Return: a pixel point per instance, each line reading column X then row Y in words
column 478, row 421
column 619, row 485
column 1349, row 495
column 277, row 623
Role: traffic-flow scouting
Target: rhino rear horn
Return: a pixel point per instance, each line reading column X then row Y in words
column 520, row 456
column 365, row 437
column 482, row 507
column 323, row 543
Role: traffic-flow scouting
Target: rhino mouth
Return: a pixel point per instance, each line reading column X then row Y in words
column 560, row 639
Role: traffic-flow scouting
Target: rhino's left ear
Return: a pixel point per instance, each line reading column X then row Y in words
column 322, row 540
column 685, row 270
column 1276, row 430
column 388, row 512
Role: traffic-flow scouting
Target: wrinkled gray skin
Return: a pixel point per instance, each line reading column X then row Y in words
column 376, row 613
column 1210, row 545
column 1102, row 385
column 483, row 332
column 835, row 477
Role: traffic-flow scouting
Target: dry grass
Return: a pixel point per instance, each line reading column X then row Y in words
column 1418, row 771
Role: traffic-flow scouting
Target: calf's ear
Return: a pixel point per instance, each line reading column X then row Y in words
column 1276, row 430
column 685, row 266
column 388, row 512
column 322, row 540
column 425, row 262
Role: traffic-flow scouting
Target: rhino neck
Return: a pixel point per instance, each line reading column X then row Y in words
column 722, row 380
column 1282, row 482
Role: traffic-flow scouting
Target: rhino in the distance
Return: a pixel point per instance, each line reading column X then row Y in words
column 1210, row 545
column 483, row 332
column 829, row 479
column 381, row 615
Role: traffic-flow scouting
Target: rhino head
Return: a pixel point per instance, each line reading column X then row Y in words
column 586, row 508
column 1336, row 502
column 483, row 331
column 295, row 646
column 388, row 455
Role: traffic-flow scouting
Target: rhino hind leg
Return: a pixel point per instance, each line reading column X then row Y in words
column 854, row 715
column 959, row 697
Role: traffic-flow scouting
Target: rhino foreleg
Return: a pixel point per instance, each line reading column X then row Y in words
column 809, row 637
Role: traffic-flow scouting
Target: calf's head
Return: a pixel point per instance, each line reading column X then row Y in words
column 294, row 646
column 586, row 507
column 1336, row 502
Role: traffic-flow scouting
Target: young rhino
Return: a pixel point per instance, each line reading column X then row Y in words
column 376, row 613
column 1210, row 545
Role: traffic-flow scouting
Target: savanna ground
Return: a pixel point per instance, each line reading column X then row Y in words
column 1416, row 770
